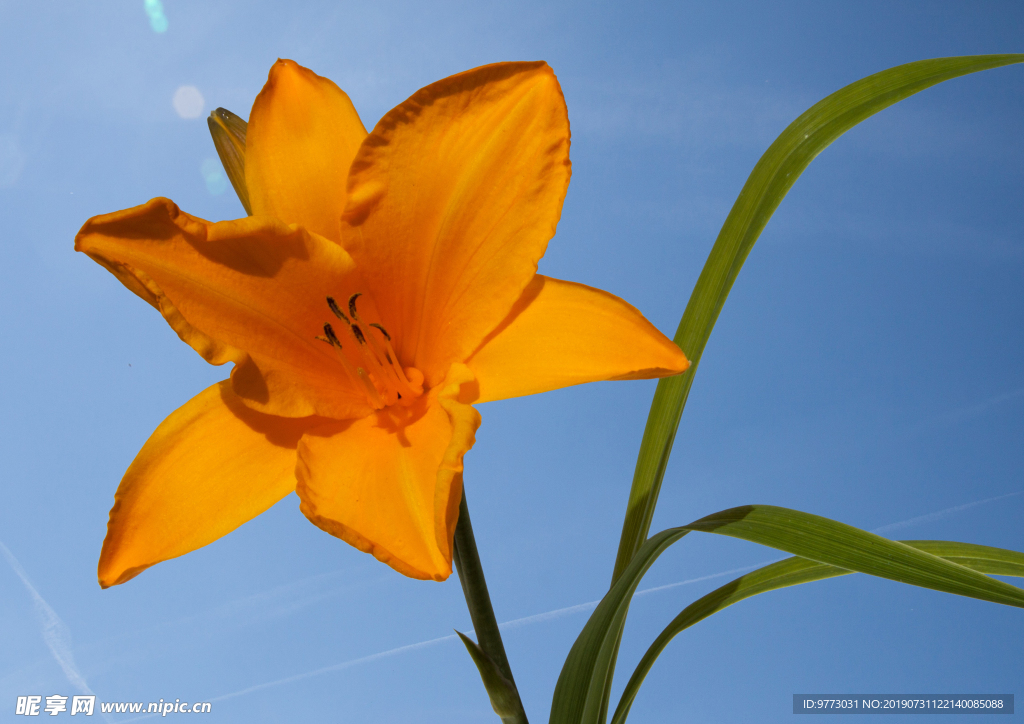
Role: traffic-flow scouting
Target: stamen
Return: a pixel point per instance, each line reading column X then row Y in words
column 381, row 354
column 397, row 373
column 390, row 353
column 387, row 339
column 332, row 338
column 356, row 374
column 337, row 312
column 360, row 338
column 377, row 369
column 383, row 378
column 368, row 383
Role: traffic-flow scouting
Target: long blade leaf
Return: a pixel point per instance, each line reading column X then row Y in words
column 772, row 177
column 792, row 572
column 584, row 683
column 827, row 541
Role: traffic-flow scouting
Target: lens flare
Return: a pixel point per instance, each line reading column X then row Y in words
column 214, row 176
column 157, row 19
column 188, row 102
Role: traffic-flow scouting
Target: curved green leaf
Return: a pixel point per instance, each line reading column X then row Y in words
column 584, row 683
column 984, row 559
column 794, row 571
column 771, row 179
column 581, row 689
column 827, row 541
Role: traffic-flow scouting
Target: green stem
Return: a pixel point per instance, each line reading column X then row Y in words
column 474, row 587
column 488, row 652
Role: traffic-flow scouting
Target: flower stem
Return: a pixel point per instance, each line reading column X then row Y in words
column 474, row 587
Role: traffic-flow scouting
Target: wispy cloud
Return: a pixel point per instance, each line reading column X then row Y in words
column 338, row 667
column 578, row 608
column 324, row 670
column 217, row 621
column 55, row 632
column 288, row 598
column 941, row 514
column 273, row 603
column 507, row 625
column 591, row 605
column 966, row 413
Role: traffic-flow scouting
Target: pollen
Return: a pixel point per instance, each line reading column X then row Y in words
column 369, row 359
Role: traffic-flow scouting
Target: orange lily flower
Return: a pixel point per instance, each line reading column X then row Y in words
column 384, row 282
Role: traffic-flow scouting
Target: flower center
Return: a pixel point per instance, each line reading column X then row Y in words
column 370, row 360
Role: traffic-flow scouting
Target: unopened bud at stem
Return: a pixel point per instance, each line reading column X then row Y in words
column 228, row 131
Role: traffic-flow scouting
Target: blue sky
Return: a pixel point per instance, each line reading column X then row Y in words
column 867, row 366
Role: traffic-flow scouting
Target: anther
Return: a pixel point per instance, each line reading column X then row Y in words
column 352, row 304
column 358, row 333
column 382, row 331
column 332, row 338
column 337, row 311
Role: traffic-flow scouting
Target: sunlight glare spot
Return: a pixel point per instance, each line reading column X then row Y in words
column 188, row 102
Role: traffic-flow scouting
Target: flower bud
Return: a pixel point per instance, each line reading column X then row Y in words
column 228, row 131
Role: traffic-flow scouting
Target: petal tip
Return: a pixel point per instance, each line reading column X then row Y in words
column 282, row 65
column 683, row 362
column 285, row 70
column 126, row 220
column 354, row 539
column 109, row 576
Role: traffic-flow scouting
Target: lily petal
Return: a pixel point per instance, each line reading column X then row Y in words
column 452, row 200
column 213, row 351
column 303, row 134
column 561, row 333
column 212, row 465
column 390, row 484
column 254, row 285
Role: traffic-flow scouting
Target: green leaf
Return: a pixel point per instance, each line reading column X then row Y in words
column 794, row 571
column 584, row 683
column 993, row 561
column 502, row 692
column 228, row 131
column 826, row 541
column 771, row 179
